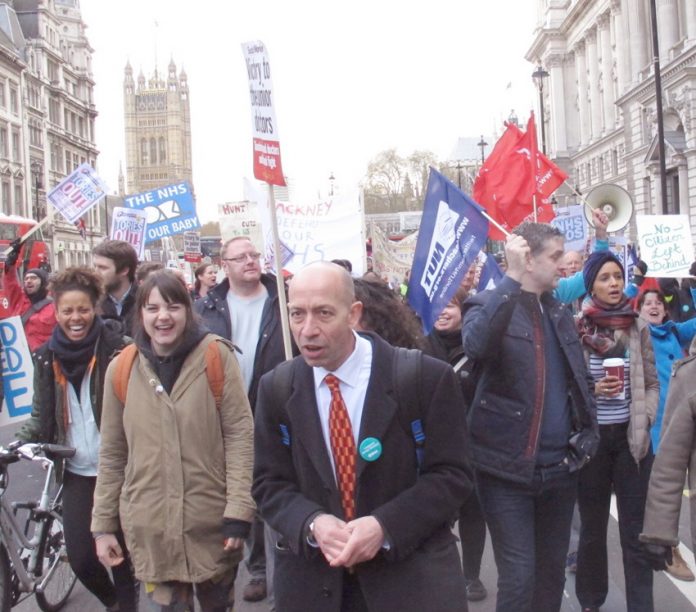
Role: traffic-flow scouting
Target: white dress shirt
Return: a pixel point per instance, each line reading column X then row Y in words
column 353, row 375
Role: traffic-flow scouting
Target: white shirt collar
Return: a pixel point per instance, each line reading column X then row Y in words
column 349, row 371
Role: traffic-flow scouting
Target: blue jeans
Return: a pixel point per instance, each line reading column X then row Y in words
column 613, row 469
column 530, row 530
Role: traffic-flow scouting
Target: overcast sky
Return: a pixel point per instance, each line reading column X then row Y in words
column 350, row 79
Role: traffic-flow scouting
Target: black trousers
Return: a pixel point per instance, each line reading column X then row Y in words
column 78, row 496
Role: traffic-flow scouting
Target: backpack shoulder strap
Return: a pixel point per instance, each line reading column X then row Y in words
column 407, row 377
column 34, row 308
column 282, row 387
column 215, row 372
column 124, row 364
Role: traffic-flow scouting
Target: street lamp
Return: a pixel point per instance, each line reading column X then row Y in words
column 482, row 144
column 459, row 168
column 539, row 75
column 512, row 118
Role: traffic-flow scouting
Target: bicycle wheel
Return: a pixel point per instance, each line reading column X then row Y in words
column 5, row 581
column 53, row 558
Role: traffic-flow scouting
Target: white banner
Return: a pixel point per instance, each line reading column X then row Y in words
column 129, row 225
column 665, row 244
column 17, row 372
column 319, row 231
column 77, row 193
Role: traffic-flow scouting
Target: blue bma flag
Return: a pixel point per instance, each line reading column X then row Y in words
column 452, row 232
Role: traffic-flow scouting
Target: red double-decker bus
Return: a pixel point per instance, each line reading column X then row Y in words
column 34, row 252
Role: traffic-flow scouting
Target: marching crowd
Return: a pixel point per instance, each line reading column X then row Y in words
column 345, row 468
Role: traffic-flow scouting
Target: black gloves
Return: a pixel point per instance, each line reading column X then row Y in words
column 657, row 555
column 12, row 256
column 639, row 272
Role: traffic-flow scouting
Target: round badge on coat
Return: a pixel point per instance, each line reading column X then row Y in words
column 370, row 449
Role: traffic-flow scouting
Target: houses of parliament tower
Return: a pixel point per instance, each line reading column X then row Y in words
column 157, row 122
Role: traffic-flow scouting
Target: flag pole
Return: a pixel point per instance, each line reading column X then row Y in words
column 494, row 222
column 24, row 237
column 580, row 196
column 280, row 281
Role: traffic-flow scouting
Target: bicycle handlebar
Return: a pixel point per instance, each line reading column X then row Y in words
column 34, row 452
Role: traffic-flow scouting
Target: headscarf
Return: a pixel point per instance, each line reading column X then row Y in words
column 594, row 264
column 601, row 326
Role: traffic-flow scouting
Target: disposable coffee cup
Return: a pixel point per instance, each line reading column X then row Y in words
column 615, row 367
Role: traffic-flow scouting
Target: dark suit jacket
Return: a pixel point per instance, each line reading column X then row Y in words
column 421, row 569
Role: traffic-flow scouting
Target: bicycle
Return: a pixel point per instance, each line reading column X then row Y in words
column 34, row 561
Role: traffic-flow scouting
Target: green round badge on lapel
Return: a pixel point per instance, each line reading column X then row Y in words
column 370, row 449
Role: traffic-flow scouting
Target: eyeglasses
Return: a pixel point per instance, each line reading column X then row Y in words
column 242, row 258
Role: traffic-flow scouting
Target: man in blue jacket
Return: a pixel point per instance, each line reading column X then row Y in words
column 532, row 421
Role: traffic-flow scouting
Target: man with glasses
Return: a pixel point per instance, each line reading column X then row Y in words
column 244, row 309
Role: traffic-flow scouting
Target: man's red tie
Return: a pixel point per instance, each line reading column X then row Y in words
column 342, row 446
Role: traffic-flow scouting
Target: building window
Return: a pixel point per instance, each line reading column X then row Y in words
column 76, row 160
column 162, row 150
column 35, row 135
column 143, row 152
column 54, row 111
column 14, row 100
column 52, row 71
column 68, row 168
column 3, row 103
column 16, row 149
column 153, row 151
column 672, row 193
column 6, row 202
column 3, row 142
column 18, row 197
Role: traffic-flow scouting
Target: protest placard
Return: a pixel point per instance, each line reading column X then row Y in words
column 571, row 221
column 241, row 219
column 17, row 372
column 170, row 210
column 192, row 247
column 129, row 225
column 264, row 127
column 77, row 193
column 665, row 244
column 392, row 259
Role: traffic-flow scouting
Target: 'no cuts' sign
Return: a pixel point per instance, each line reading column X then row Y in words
column 170, row 210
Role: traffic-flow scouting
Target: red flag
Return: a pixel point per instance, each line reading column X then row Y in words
column 508, row 180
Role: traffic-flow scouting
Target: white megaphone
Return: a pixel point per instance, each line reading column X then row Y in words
column 614, row 201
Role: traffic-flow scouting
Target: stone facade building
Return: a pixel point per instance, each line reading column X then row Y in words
column 158, row 130
column 56, row 114
column 599, row 97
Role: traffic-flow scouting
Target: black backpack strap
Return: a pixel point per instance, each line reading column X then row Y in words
column 34, row 308
column 407, row 377
column 282, row 387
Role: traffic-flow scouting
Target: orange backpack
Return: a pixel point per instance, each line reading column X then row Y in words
column 213, row 371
